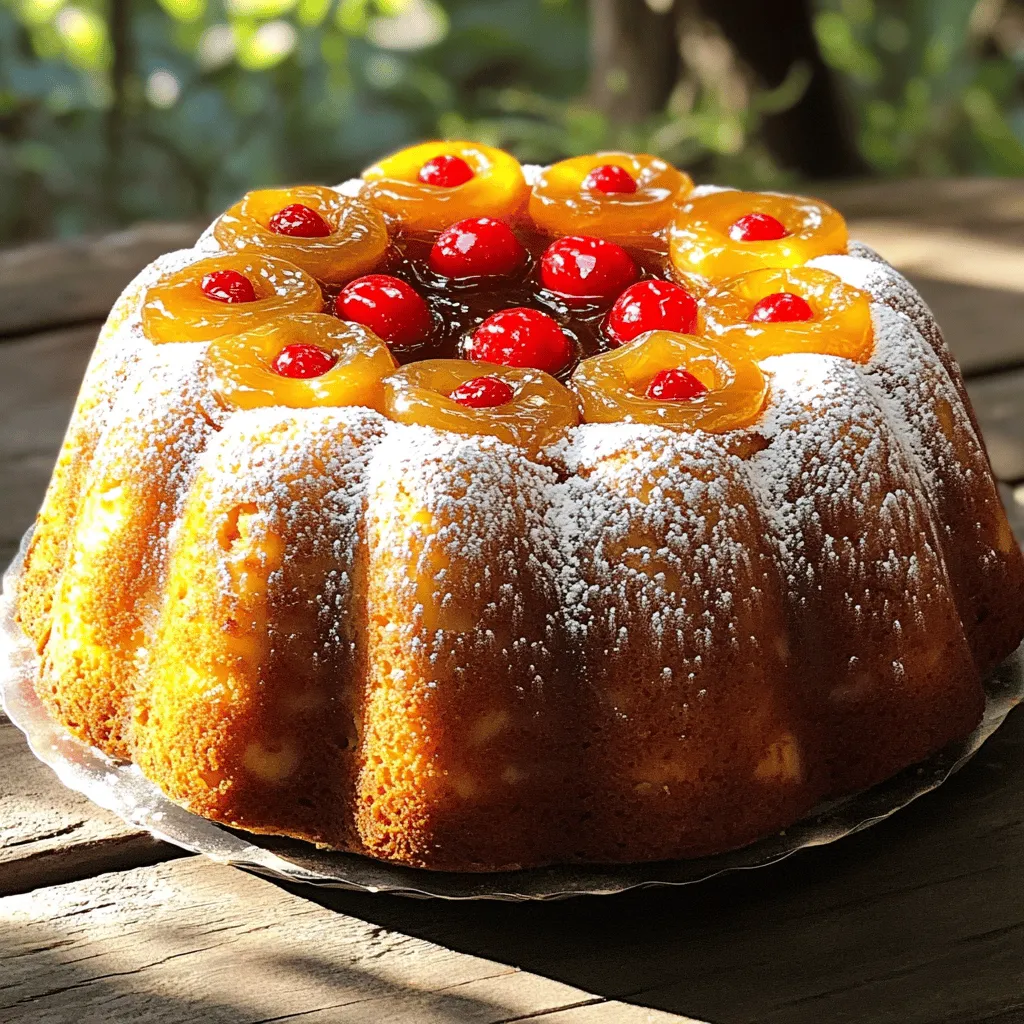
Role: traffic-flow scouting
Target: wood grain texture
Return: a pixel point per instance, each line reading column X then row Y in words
column 921, row 919
column 974, row 286
column 50, row 834
column 992, row 207
column 984, row 327
column 999, row 403
column 39, row 379
column 918, row 920
column 194, row 941
column 71, row 281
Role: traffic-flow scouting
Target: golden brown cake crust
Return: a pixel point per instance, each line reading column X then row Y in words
column 451, row 652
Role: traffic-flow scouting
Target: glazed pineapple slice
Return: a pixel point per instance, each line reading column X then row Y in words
column 301, row 362
column 224, row 295
column 428, row 187
column 773, row 312
column 622, row 196
column 672, row 380
column 331, row 236
column 724, row 234
column 521, row 406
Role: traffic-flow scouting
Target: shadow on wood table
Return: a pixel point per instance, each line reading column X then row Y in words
column 920, row 919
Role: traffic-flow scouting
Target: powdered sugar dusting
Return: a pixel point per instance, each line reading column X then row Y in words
column 854, row 534
column 274, row 456
column 685, row 537
column 655, row 532
column 406, row 642
column 165, row 406
column 121, row 343
column 456, row 525
column 154, row 433
column 579, row 524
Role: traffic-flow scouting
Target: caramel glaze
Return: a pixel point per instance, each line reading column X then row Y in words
column 459, row 306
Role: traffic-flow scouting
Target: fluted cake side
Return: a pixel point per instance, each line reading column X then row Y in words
column 450, row 651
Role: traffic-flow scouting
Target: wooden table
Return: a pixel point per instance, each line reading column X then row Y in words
column 920, row 919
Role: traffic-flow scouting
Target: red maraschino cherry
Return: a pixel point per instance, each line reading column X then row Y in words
column 584, row 269
column 299, row 221
column 521, row 337
column 445, row 171
column 390, row 307
column 483, row 393
column 651, row 306
column 781, row 308
column 757, row 227
column 611, row 179
column 228, row 286
column 477, row 247
column 675, row 385
column 303, row 361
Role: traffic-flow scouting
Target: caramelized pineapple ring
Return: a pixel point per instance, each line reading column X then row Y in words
column 613, row 386
column 569, row 198
column 355, row 244
column 497, row 187
column 536, row 412
column 742, row 312
column 177, row 308
column 707, row 235
column 356, row 362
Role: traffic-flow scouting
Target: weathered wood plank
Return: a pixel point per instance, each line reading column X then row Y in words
column 607, row 1012
column 993, row 207
column 70, row 281
column 191, row 940
column 49, row 834
column 946, row 254
column 918, row 920
column 39, row 378
column 1013, row 502
column 984, row 327
column 974, row 285
column 999, row 402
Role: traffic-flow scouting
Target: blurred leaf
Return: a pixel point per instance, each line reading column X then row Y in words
column 259, row 9
column 940, row 97
column 353, row 16
column 265, row 48
column 39, row 12
column 312, row 12
column 841, row 48
column 786, row 93
column 221, row 96
column 84, row 36
column 184, row 10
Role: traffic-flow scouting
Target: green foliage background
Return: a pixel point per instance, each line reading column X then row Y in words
column 217, row 96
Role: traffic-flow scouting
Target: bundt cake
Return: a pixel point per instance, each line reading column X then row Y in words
column 474, row 516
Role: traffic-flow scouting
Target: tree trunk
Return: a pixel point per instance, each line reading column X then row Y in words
column 634, row 58
column 815, row 135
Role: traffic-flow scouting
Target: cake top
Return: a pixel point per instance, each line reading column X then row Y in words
column 451, row 287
